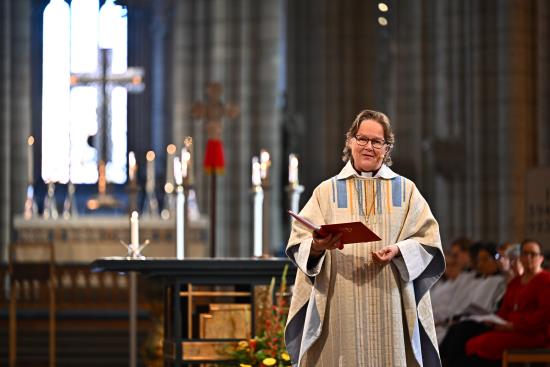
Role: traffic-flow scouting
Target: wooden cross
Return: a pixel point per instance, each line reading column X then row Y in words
column 213, row 111
column 105, row 81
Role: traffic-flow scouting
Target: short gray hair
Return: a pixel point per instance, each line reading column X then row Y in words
column 379, row 117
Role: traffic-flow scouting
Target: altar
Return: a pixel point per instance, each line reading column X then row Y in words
column 236, row 281
column 85, row 238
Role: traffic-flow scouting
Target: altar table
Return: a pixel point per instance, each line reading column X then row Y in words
column 178, row 277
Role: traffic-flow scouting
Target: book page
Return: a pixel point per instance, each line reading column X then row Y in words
column 490, row 318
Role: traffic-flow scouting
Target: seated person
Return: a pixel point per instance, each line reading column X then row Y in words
column 457, row 260
column 526, row 313
column 452, row 346
column 482, row 290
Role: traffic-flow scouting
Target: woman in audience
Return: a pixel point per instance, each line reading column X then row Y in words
column 526, row 310
column 472, row 292
column 525, row 314
column 452, row 346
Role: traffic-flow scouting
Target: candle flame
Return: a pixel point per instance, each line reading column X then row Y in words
column 150, row 156
column 171, row 149
column 30, row 140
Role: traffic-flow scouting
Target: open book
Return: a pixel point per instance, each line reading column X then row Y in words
column 352, row 232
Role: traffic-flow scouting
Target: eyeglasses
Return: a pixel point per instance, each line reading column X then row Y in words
column 363, row 141
column 530, row 253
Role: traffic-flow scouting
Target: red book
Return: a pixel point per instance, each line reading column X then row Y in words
column 352, row 232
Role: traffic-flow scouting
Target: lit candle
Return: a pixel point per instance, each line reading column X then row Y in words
column 185, row 157
column 256, row 172
column 132, row 166
column 170, row 153
column 293, row 169
column 177, row 171
column 30, row 167
column 134, row 229
column 188, row 142
column 150, row 183
column 265, row 162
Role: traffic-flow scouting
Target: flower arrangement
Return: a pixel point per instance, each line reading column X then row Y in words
column 267, row 349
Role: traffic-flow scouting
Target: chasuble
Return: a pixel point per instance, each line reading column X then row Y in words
column 345, row 309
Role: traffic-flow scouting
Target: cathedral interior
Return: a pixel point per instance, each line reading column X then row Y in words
column 466, row 86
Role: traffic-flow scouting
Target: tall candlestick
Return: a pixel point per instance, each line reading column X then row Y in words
column 30, row 158
column 180, row 223
column 132, row 166
column 178, row 175
column 257, row 202
column 134, row 229
column 150, row 183
column 293, row 169
column 170, row 153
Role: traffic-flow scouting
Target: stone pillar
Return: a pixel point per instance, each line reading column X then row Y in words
column 15, row 97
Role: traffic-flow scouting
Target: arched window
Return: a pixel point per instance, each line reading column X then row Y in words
column 71, row 112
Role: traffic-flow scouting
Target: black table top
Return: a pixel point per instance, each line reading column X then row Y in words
column 202, row 270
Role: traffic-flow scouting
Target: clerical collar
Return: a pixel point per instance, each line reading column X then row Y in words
column 348, row 171
column 369, row 174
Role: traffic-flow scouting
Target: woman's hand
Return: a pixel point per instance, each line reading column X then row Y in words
column 385, row 254
column 504, row 327
column 321, row 244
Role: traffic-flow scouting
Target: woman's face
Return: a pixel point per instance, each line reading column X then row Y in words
column 366, row 157
column 531, row 257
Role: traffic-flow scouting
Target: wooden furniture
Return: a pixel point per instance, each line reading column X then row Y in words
column 540, row 355
column 28, row 280
column 186, row 282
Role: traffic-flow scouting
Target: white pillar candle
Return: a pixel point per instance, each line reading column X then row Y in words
column 132, row 166
column 134, row 229
column 188, row 143
column 30, row 158
column 293, row 169
column 150, row 183
column 177, row 171
column 170, row 153
column 256, row 172
column 265, row 162
column 185, row 159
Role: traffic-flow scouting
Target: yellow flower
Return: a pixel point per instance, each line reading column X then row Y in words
column 285, row 356
column 243, row 344
column 269, row 361
column 245, row 365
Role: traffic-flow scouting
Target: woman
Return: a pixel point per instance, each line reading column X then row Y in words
column 525, row 312
column 365, row 304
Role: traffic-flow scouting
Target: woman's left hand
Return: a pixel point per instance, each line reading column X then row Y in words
column 385, row 254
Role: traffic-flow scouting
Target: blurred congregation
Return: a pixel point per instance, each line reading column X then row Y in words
column 492, row 298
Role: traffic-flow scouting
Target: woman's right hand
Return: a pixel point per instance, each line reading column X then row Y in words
column 321, row 244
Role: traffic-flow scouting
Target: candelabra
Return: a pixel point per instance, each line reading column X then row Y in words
column 31, row 208
column 69, row 205
column 50, row 205
column 134, row 247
